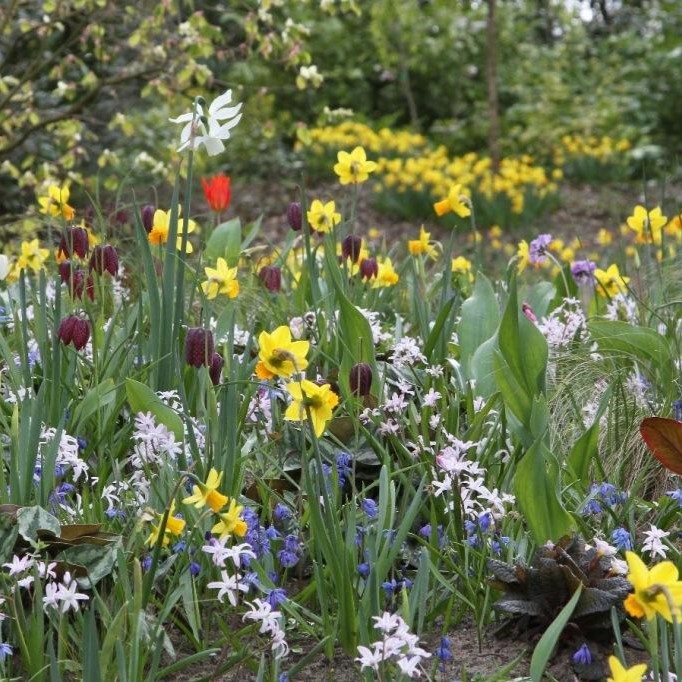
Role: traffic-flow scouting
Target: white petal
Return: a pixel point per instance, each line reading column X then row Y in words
column 183, row 118
column 220, row 101
column 214, row 145
column 223, row 114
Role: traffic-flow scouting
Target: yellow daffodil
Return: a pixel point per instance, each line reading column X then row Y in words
column 231, row 522
column 386, row 275
column 610, row 281
column 174, row 526
column 647, row 225
column 353, row 168
column 422, row 245
column 323, row 217
column 621, row 674
column 522, row 256
column 462, row 266
column 452, row 203
column 604, row 237
column 320, row 400
column 32, row 257
column 207, row 493
column 280, row 355
column 161, row 227
column 221, row 280
column 56, row 203
column 656, row 591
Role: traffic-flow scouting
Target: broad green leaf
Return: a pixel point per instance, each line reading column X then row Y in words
column 482, row 368
column 225, row 242
column 143, row 399
column 98, row 561
column 478, row 322
column 537, row 493
column 584, row 450
column 31, row 520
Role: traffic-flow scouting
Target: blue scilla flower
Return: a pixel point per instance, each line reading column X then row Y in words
column 251, row 580
column 369, row 506
column 292, row 544
column 146, row 562
column 582, row 656
column 485, row 520
column 59, row 494
column 273, row 576
column 5, row 650
column 179, row 546
column 287, row 559
column 425, row 531
column 390, row 586
column 363, row 569
column 271, row 533
column 676, row 495
column 276, row 597
column 82, row 443
column 621, row 539
column 443, row 651
column 194, row 568
column 281, row 512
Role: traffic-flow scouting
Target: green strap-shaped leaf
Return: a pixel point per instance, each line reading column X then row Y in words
column 537, row 492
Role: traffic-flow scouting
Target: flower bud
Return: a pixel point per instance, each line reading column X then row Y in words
column 65, row 271
column 295, row 216
column 81, row 334
column 80, row 284
column 199, row 347
column 528, row 312
column 360, row 379
column 271, row 276
column 147, row 216
column 104, row 259
column 350, row 247
column 74, row 240
column 73, row 329
column 369, row 268
column 65, row 331
column 216, row 368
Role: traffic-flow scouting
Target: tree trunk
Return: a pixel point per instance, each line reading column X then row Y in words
column 491, row 77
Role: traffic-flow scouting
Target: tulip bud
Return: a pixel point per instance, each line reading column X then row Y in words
column 216, row 368
column 360, row 379
column 199, row 347
column 271, row 276
column 147, row 215
column 104, row 259
column 295, row 216
column 528, row 312
column 369, row 268
column 350, row 247
column 74, row 240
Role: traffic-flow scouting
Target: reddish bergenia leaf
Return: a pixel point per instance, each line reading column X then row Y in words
column 664, row 439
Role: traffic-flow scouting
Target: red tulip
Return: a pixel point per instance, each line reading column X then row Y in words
column 218, row 192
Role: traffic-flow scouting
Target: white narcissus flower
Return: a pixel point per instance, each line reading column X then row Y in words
column 4, row 266
column 220, row 119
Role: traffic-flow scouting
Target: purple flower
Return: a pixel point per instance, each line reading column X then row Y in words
column 5, row 650
column 443, row 650
column 281, row 512
column 369, row 506
column 363, row 569
column 276, row 596
column 676, row 495
column 621, row 539
column 583, row 272
column 582, row 656
column 538, row 248
column 146, row 562
column 194, row 568
column 286, row 558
